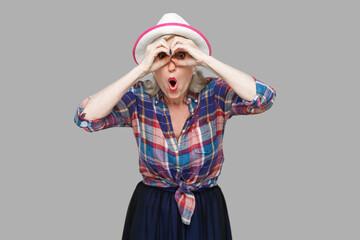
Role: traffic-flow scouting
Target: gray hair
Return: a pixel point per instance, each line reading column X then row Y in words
column 198, row 81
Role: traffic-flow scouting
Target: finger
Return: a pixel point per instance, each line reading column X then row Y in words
column 182, row 40
column 178, row 62
column 160, row 50
column 186, row 62
column 182, row 48
column 165, row 43
column 175, row 42
column 162, row 58
column 162, row 43
column 155, row 45
column 152, row 55
column 194, row 53
column 179, row 47
column 162, row 62
column 158, row 63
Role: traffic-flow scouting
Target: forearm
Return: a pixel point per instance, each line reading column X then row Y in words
column 242, row 83
column 102, row 102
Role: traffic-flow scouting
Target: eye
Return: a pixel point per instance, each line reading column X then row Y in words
column 162, row 55
column 180, row 55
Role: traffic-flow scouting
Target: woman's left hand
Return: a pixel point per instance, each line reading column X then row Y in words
column 193, row 55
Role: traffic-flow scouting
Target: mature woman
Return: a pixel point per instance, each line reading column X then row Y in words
column 178, row 120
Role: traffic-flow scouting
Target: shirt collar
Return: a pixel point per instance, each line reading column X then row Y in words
column 191, row 97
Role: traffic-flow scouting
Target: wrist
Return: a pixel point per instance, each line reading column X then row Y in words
column 141, row 70
column 207, row 61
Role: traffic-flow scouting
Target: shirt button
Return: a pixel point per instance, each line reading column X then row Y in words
column 196, row 100
column 176, row 151
column 183, row 130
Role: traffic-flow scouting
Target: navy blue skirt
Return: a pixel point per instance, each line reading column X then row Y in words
column 152, row 214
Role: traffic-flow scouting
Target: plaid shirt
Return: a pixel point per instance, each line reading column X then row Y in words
column 195, row 160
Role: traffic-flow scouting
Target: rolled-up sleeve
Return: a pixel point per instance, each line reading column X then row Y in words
column 232, row 104
column 121, row 115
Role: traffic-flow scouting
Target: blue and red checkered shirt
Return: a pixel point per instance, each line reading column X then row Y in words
column 195, row 160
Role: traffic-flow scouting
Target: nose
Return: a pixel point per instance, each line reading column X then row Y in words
column 171, row 66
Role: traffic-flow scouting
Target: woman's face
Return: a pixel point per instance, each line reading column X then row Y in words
column 174, row 80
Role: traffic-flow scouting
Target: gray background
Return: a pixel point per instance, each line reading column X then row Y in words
column 289, row 173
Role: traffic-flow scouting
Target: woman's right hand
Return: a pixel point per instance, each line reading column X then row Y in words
column 156, row 55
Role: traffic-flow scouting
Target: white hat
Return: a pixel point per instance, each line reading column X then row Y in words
column 170, row 23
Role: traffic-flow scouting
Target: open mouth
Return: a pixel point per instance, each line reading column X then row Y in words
column 172, row 84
